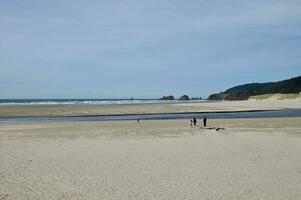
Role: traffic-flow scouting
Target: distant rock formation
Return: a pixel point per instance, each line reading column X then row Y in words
column 169, row 97
column 243, row 92
column 184, row 98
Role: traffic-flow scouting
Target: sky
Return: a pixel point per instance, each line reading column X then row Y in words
column 144, row 49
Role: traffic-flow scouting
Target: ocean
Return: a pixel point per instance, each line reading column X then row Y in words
column 85, row 101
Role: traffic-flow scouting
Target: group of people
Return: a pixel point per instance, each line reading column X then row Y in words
column 193, row 122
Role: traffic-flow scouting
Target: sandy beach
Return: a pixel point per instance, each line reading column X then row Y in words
column 250, row 159
column 109, row 100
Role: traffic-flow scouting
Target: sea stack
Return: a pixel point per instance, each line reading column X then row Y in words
column 169, row 97
column 184, row 98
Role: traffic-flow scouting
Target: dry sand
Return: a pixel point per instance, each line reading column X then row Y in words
column 84, row 110
column 250, row 159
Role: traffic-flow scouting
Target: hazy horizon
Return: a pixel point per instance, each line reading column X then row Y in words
column 133, row 97
column 144, row 49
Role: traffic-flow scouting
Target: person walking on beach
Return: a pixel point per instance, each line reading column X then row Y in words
column 190, row 123
column 205, row 121
column 194, row 121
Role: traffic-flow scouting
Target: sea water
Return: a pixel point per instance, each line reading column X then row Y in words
column 85, row 101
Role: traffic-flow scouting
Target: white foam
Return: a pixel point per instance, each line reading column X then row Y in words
column 87, row 102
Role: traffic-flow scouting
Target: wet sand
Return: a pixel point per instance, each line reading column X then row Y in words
column 85, row 110
column 250, row 159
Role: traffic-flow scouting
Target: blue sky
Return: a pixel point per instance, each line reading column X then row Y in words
column 144, row 49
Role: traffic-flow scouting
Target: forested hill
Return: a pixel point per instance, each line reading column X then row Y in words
column 243, row 92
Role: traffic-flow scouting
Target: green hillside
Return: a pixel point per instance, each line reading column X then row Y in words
column 243, row 92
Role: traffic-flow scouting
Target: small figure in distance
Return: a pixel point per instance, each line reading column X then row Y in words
column 138, row 120
column 205, row 121
column 190, row 123
column 194, row 121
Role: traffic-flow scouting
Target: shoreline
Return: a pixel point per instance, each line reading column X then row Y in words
column 290, row 113
column 113, row 102
column 19, row 111
column 146, row 114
